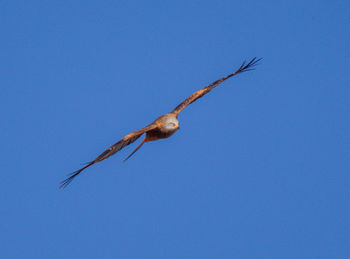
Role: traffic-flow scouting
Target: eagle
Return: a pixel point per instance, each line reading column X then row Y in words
column 162, row 127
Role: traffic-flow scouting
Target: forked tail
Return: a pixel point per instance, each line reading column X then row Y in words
column 133, row 152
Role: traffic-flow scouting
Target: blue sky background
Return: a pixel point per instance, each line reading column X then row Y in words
column 259, row 168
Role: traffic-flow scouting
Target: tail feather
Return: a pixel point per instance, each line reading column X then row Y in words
column 133, row 152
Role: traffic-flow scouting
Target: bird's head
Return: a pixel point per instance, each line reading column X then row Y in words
column 171, row 123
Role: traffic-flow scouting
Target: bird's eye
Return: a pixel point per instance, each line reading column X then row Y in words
column 172, row 124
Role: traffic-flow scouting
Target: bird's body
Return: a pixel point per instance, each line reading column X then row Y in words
column 163, row 127
column 167, row 125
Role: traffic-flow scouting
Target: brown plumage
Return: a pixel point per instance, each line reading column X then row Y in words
column 162, row 127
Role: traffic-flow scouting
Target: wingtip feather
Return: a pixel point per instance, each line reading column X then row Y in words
column 67, row 181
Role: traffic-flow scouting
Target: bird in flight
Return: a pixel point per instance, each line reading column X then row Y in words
column 162, row 127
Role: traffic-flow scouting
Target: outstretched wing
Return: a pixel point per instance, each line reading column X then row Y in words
column 128, row 139
column 243, row 68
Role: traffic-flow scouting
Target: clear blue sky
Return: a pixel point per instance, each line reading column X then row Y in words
column 259, row 168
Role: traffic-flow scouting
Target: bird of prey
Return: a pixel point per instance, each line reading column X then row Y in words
column 162, row 127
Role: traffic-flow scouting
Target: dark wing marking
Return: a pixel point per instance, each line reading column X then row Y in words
column 128, row 139
column 243, row 68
